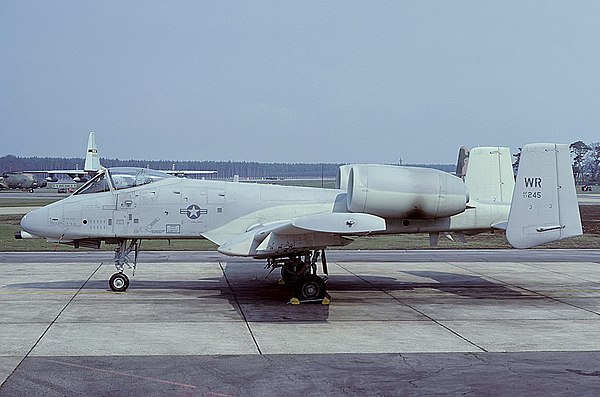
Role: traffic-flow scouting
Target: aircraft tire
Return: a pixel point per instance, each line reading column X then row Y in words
column 118, row 282
column 311, row 287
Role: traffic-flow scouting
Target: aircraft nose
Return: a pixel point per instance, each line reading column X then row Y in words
column 36, row 222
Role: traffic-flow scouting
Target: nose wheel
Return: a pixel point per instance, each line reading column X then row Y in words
column 118, row 282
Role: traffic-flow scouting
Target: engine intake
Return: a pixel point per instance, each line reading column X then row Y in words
column 404, row 192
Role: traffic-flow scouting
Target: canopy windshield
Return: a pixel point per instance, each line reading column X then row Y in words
column 121, row 178
column 125, row 177
column 97, row 184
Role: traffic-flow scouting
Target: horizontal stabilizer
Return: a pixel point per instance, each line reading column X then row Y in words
column 544, row 207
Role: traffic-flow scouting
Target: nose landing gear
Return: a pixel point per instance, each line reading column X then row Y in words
column 119, row 282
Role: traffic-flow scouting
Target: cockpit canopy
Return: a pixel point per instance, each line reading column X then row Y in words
column 121, row 178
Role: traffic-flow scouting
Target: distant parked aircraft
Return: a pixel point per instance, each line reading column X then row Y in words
column 92, row 166
column 20, row 180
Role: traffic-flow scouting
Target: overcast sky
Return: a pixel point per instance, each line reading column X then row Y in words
column 296, row 81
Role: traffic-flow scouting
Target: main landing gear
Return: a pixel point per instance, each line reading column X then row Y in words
column 119, row 282
column 299, row 271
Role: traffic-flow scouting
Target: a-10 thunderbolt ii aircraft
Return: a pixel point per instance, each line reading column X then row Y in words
column 291, row 227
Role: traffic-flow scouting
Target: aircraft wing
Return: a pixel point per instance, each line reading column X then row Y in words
column 301, row 234
column 76, row 175
column 67, row 172
column 182, row 173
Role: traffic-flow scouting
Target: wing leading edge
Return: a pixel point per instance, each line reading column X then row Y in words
column 300, row 234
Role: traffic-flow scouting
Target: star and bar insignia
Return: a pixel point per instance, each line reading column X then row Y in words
column 193, row 211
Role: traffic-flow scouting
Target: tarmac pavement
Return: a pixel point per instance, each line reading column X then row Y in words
column 435, row 322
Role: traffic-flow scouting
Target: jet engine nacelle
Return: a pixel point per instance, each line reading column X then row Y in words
column 52, row 178
column 404, row 192
column 38, row 183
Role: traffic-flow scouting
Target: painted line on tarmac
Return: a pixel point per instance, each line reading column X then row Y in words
column 119, row 373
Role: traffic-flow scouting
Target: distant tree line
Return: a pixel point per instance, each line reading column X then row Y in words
column 225, row 169
column 586, row 162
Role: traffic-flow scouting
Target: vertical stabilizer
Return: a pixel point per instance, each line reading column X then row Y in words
column 544, row 206
column 92, row 159
column 489, row 175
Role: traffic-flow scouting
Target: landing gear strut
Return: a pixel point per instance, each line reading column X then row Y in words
column 299, row 271
column 119, row 282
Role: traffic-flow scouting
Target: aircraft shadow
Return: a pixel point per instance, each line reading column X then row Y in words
column 466, row 286
column 257, row 298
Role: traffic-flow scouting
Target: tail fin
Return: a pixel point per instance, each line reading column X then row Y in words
column 489, row 175
column 92, row 159
column 544, row 206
